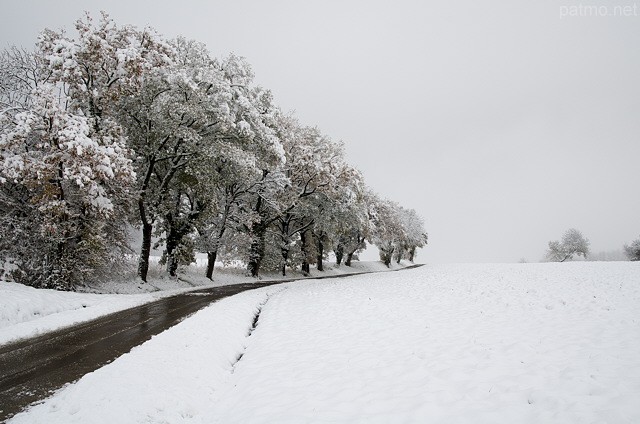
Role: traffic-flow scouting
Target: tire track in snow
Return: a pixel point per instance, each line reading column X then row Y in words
column 254, row 325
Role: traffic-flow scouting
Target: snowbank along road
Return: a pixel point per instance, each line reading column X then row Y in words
column 32, row 369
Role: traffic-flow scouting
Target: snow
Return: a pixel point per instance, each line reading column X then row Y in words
column 526, row 343
column 28, row 312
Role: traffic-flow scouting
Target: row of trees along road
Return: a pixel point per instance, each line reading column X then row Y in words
column 119, row 128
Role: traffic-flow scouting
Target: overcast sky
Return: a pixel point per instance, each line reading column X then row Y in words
column 503, row 123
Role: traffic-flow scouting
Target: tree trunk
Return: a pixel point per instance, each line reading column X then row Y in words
column 339, row 254
column 350, row 254
column 347, row 262
column 306, row 269
column 147, row 226
column 412, row 254
column 172, row 243
column 399, row 253
column 258, row 231
column 320, row 265
column 256, row 251
column 387, row 259
column 211, row 261
column 285, row 256
column 212, row 255
column 386, row 254
column 284, row 234
column 145, row 251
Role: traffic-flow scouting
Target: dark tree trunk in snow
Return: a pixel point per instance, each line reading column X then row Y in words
column 178, row 224
column 284, row 234
column 256, row 251
column 339, row 254
column 352, row 251
column 347, row 262
column 285, row 256
column 212, row 255
column 258, row 231
column 399, row 253
column 320, row 265
column 173, row 239
column 386, row 253
column 306, row 269
column 145, row 251
column 211, row 261
column 147, row 226
column 387, row 257
column 412, row 254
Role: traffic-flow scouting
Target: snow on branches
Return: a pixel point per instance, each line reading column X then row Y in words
column 104, row 63
column 119, row 126
column 50, row 149
column 572, row 243
column 71, row 178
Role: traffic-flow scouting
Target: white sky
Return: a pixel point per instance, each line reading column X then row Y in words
column 502, row 123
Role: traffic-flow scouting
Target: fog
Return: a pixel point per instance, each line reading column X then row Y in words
column 502, row 123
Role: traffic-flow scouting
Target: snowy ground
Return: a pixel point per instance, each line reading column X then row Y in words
column 521, row 343
column 27, row 312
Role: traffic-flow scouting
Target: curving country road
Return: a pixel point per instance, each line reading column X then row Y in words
column 30, row 370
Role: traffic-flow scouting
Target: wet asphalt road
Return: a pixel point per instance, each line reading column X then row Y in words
column 32, row 369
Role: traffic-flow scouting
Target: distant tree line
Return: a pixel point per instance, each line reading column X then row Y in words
column 120, row 128
column 573, row 243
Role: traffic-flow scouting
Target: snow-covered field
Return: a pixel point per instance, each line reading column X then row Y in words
column 521, row 343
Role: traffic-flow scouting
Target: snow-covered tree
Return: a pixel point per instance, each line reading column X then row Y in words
column 198, row 121
column 64, row 189
column 397, row 232
column 354, row 224
column 316, row 170
column 266, row 204
column 225, row 218
column 232, row 187
column 414, row 235
column 105, row 63
column 633, row 250
column 341, row 220
column 103, row 67
column 167, row 125
column 21, row 72
column 247, row 173
column 387, row 230
column 66, row 167
column 572, row 243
